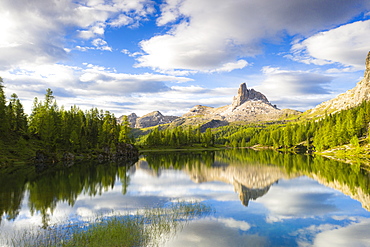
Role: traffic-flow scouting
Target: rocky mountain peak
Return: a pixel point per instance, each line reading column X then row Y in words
column 132, row 119
column 156, row 114
column 367, row 70
column 248, row 105
column 151, row 119
column 245, row 94
column 351, row 98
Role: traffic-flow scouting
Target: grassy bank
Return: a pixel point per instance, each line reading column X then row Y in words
column 149, row 227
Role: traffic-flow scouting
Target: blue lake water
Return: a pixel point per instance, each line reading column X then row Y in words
column 260, row 198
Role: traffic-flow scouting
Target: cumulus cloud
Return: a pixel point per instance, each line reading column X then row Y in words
column 89, row 86
column 294, row 82
column 287, row 87
column 306, row 199
column 356, row 234
column 347, row 45
column 227, row 67
column 208, row 34
column 98, row 44
column 35, row 31
column 215, row 233
column 97, row 86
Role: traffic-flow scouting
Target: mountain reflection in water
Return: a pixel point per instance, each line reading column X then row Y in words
column 253, row 172
column 272, row 180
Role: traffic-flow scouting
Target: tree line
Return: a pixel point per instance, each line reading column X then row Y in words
column 346, row 126
column 178, row 137
column 55, row 128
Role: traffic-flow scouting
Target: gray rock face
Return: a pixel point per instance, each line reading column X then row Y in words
column 245, row 94
column 132, row 119
column 349, row 99
column 247, row 105
column 153, row 119
column 148, row 120
column 199, row 110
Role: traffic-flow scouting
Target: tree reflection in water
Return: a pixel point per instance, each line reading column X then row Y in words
column 250, row 172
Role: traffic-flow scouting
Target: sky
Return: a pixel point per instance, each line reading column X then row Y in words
column 140, row 56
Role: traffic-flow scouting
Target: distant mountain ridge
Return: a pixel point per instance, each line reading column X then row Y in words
column 151, row 119
column 253, row 106
column 248, row 105
column 349, row 99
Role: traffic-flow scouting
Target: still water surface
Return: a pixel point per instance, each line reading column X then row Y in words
column 260, row 198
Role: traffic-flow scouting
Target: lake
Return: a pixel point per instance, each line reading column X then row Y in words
column 259, row 198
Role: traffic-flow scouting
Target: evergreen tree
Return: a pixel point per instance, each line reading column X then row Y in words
column 45, row 120
column 4, row 120
column 125, row 130
column 19, row 118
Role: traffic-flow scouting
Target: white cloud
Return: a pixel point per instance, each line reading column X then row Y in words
column 34, row 32
column 170, row 12
column 286, row 88
column 210, row 233
column 356, row 234
column 101, row 44
column 232, row 223
column 89, row 86
column 292, row 83
column 122, row 20
column 227, row 67
column 347, row 44
column 98, row 44
column 208, row 34
column 306, row 199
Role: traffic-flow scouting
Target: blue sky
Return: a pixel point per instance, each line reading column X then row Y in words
column 140, row 55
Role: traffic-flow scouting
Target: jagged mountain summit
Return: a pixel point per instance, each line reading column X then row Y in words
column 349, row 99
column 151, row 119
column 247, row 105
column 245, row 94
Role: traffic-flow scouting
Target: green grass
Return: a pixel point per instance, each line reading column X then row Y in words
column 148, row 227
column 117, row 231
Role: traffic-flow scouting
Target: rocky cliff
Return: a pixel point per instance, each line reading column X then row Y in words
column 149, row 120
column 247, row 105
column 349, row 99
column 245, row 95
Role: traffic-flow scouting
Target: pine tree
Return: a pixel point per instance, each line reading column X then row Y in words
column 125, row 131
column 19, row 123
column 45, row 120
column 4, row 120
